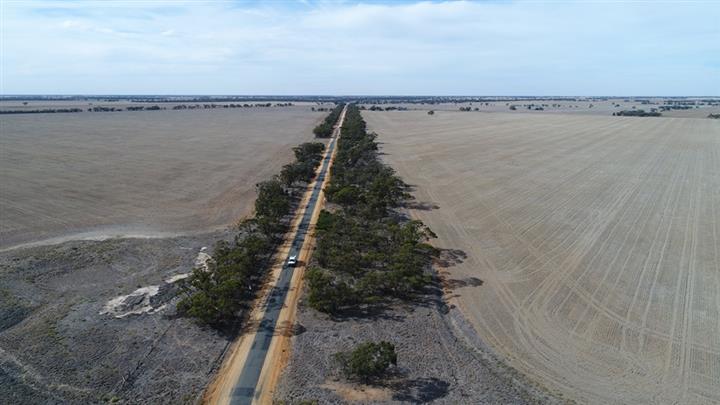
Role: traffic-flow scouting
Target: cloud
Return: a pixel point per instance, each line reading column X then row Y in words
column 361, row 48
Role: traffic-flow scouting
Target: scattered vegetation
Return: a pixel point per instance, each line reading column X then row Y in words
column 367, row 361
column 325, row 128
column 714, row 116
column 365, row 253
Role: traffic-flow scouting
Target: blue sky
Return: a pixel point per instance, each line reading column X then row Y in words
column 351, row 48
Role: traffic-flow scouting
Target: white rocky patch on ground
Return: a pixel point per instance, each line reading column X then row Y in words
column 202, row 259
column 139, row 301
column 201, row 262
column 135, row 303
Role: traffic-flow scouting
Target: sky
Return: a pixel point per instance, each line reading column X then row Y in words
column 512, row 48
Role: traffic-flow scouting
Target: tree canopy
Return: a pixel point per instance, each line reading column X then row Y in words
column 215, row 295
column 325, row 128
column 364, row 254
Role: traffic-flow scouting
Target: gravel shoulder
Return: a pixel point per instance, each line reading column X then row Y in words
column 61, row 340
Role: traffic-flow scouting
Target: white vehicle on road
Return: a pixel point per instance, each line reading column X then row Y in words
column 292, row 261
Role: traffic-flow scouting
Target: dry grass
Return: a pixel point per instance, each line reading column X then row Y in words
column 139, row 172
column 597, row 239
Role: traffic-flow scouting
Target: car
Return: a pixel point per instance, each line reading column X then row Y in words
column 292, row 261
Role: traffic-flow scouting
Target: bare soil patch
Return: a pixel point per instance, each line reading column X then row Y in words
column 147, row 172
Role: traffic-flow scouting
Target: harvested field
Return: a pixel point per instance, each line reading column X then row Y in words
column 597, row 240
column 550, row 106
column 147, row 172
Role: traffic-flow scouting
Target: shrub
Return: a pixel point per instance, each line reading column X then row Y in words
column 367, row 361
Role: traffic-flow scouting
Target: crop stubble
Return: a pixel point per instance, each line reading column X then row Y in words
column 596, row 237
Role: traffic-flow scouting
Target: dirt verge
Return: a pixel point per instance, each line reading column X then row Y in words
column 434, row 363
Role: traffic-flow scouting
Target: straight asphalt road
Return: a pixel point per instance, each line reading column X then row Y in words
column 245, row 388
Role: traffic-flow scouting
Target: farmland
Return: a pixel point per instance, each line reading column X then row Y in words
column 596, row 239
column 89, row 321
column 139, row 173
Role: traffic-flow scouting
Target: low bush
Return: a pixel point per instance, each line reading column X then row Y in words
column 367, row 361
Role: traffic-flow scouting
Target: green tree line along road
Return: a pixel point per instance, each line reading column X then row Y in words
column 325, row 128
column 365, row 255
column 216, row 295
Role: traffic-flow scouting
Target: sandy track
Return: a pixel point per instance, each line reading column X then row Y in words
column 596, row 237
column 139, row 172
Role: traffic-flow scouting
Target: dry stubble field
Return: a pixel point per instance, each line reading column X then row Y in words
column 597, row 238
column 139, row 172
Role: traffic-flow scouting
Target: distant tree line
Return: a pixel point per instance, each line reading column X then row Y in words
column 428, row 100
column 49, row 110
column 325, row 128
column 216, row 295
column 677, row 107
column 144, row 108
column 378, row 108
column 637, row 113
column 213, row 105
column 105, row 109
column 365, row 255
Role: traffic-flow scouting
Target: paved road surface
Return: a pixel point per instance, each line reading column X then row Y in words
column 244, row 390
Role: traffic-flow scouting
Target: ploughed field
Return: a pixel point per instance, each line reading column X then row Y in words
column 149, row 172
column 597, row 239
